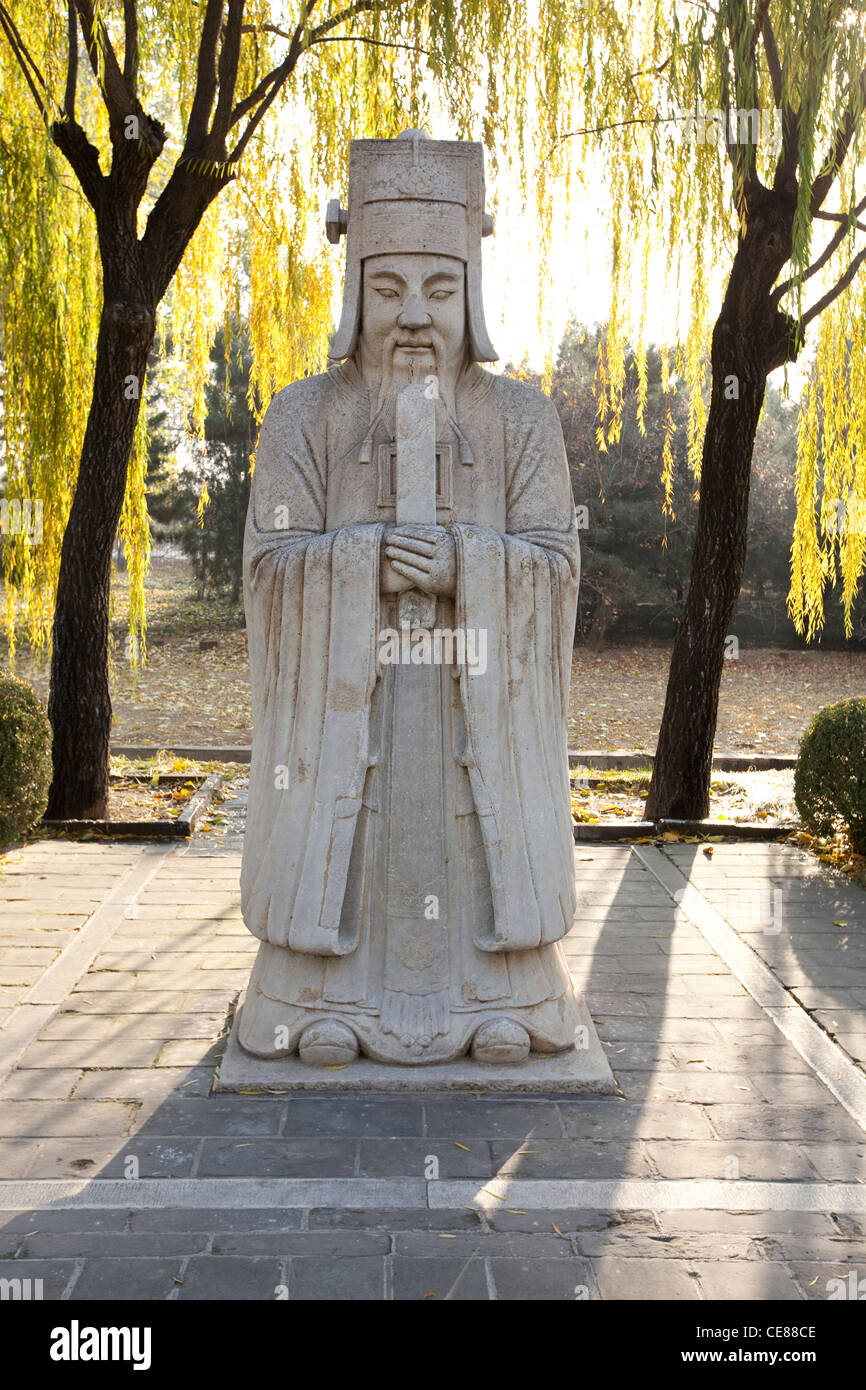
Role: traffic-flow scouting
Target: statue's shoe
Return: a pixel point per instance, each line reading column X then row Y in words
column 500, row 1040
column 327, row 1044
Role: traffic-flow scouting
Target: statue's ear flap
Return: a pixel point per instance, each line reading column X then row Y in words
column 481, row 348
column 346, row 336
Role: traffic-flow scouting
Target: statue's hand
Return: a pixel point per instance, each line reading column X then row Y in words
column 425, row 555
column 390, row 582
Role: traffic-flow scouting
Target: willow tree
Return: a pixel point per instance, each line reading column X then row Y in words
column 765, row 99
column 149, row 146
column 143, row 142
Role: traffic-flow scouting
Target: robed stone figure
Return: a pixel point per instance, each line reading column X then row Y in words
column 408, row 861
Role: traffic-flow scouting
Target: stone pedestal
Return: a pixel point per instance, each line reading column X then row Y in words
column 575, row 1072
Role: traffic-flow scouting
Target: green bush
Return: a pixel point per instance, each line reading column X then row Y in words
column 25, row 758
column 830, row 777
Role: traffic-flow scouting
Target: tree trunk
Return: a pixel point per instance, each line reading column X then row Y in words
column 750, row 338
column 681, row 774
column 79, row 705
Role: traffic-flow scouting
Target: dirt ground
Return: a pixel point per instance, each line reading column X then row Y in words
column 185, row 695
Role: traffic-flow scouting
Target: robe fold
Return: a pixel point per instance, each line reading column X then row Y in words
column 408, row 859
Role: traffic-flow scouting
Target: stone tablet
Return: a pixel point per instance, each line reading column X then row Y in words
column 410, row 578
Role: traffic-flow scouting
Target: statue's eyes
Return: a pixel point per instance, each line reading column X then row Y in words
column 441, row 294
column 385, row 292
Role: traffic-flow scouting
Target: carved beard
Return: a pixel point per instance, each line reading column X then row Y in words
column 415, row 368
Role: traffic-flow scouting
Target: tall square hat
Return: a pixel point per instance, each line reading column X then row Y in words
column 408, row 195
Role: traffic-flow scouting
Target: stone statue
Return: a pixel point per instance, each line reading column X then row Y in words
column 410, row 577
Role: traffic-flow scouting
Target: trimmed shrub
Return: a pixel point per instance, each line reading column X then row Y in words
column 25, row 758
column 830, row 777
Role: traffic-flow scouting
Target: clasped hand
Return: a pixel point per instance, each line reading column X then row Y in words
column 422, row 557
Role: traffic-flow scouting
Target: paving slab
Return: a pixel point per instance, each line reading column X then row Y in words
column 726, row 1160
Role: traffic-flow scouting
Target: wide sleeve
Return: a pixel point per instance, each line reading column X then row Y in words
column 312, row 610
column 521, row 588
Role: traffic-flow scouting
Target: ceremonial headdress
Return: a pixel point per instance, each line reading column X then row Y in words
column 407, row 195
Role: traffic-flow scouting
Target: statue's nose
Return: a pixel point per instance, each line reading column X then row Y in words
column 413, row 314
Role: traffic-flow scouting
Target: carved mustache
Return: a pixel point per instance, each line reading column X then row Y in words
column 417, row 338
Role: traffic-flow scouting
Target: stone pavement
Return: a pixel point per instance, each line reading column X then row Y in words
column 728, row 988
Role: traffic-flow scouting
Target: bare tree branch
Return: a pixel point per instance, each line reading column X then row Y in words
column 846, row 223
column 375, row 43
column 841, row 284
column 118, row 99
column 130, row 44
column 72, row 62
column 773, row 61
column 82, row 157
column 205, row 78
column 358, row 8
column 277, row 75
column 844, row 135
column 228, row 74
column 847, row 218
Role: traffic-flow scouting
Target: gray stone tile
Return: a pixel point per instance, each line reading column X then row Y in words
column 127, row 1280
column 352, row 1116
column 754, row 1159
column 766, row 1058
column 71, row 1158
column 55, row 1276
column 420, row 1219
column 110, row 1244
column 16, row 1156
column 696, row 1086
column 661, row 1031
column 610, row 1119
column 570, row 1158
column 154, row 1087
column 408, row 1158
column 621, row 1279
column 156, row 1158
column 277, row 1158
column 785, row 1089
column 84, row 1221
column 753, row 1223
column 647, row 1244
column 537, row 1280
column 47, row 1084
column 838, row 1162
column 460, row 1280
column 48, row 1118
column 219, row 1115
column 486, row 1117
column 356, row 1280
column 216, row 1220
column 786, row 1121
column 227, row 1279
column 828, row 1281
column 820, row 1246
column 497, row 1245
column 571, row 1221
column 318, row 1245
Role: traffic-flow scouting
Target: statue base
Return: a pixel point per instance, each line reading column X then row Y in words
column 573, row 1072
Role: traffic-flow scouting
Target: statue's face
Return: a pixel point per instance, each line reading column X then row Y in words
column 414, row 315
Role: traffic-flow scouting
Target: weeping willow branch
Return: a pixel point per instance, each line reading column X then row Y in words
column 31, row 72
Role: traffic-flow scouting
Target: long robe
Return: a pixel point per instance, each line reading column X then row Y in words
column 408, row 860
